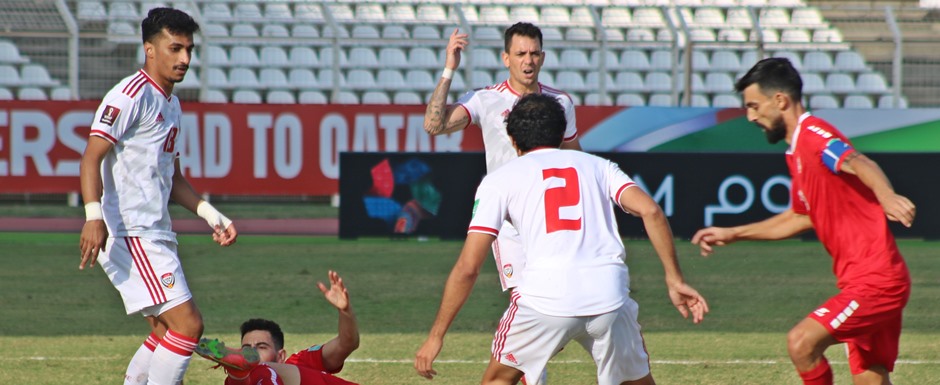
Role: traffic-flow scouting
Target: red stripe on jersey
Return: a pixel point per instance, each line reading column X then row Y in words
column 178, row 343
column 481, row 229
column 155, row 85
column 469, row 117
column 499, row 341
column 572, row 137
column 130, row 85
column 137, row 88
column 132, row 249
column 102, row 134
column 620, row 191
column 552, row 90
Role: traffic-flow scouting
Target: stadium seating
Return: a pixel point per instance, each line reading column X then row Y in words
column 395, row 48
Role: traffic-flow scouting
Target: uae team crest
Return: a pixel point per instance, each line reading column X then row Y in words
column 168, row 280
column 507, row 270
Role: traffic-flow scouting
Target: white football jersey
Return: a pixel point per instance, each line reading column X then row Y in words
column 142, row 122
column 488, row 108
column 560, row 201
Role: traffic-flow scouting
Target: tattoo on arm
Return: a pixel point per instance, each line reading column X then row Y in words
column 436, row 111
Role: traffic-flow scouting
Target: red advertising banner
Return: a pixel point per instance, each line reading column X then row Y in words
column 233, row 149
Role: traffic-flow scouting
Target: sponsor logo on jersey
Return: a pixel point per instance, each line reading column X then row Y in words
column 505, row 114
column 474, row 212
column 110, row 115
column 159, row 117
column 511, row 358
column 168, row 280
column 314, row 348
column 507, row 270
column 819, row 131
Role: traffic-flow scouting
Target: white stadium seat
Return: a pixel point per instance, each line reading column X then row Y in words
column 592, row 81
column 36, row 75
column 887, row 101
column 9, row 76
column 813, row 83
column 393, row 57
column 360, row 79
column 305, row 31
column 699, row 100
column 365, row 32
column 596, row 99
column 309, row 12
column 817, row 61
column 871, row 82
column 10, row 54
column 649, row 16
column 190, row 82
column 857, row 101
column 486, row 58
column 795, row 36
column 423, row 57
column 524, row 13
column 794, row 58
column 610, row 59
column 215, row 96
column 660, row 100
column 278, row 11
column 273, row 78
column 326, row 56
column 633, row 100
column 420, row 80
column 244, row 30
column 244, row 56
column 302, row 78
column 574, row 59
column 370, row 13
column 555, row 15
column 490, row 33
column 551, row 59
column 616, row 16
column 216, row 12
column 774, row 17
column 658, row 81
column 242, row 78
column 480, row 79
column 570, row 81
column 661, row 61
column 216, row 56
column 807, row 17
column 62, row 93
column 31, row 93
column 828, row 35
column 395, row 32
column 850, row 61
column 91, row 10
column 732, row 35
column 274, row 56
column 363, row 57
column 434, row 13
column 634, row 60
column 391, row 79
column 248, row 12
column 280, row 97
column 426, row 32
column 823, row 101
column 726, row 101
column 725, row 61
column 400, row 13
column 629, row 81
column 303, row 57
column 406, row 98
column 719, row 82
column 6, row 94
column 341, row 12
column 375, row 97
column 123, row 11
column 216, row 78
column 346, row 97
column 494, row 14
column 640, row 34
column 274, row 30
column 579, row 34
column 311, row 97
column 246, row 96
column 840, row 83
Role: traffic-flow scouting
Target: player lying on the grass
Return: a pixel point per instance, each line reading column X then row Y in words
column 575, row 284
column 848, row 200
column 263, row 342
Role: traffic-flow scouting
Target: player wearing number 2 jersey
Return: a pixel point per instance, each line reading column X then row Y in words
column 129, row 172
column 575, row 283
column 487, row 108
column 848, row 200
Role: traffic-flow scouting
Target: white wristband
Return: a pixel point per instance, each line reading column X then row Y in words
column 448, row 73
column 212, row 216
column 93, row 211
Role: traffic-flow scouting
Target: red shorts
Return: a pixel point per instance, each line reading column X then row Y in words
column 868, row 320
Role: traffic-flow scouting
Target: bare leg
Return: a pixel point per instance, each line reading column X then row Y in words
column 648, row 380
column 499, row 374
column 875, row 375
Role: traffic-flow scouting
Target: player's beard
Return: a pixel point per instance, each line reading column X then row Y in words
column 776, row 132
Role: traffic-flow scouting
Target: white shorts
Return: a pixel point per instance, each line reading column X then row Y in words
column 510, row 256
column 527, row 339
column 146, row 272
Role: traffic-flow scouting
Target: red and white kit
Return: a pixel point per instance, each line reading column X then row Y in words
column 488, row 108
column 142, row 122
column 851, row 224
column 575, row 284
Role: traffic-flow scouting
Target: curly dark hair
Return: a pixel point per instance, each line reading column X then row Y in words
column 175, row 21
column 266, row 325
column 536, row 120
column 521, row 29
column 772, row 75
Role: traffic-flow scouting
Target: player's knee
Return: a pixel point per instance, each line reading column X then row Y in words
column 798, row 343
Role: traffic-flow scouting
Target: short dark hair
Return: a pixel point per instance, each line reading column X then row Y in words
column 267, row 325
column 521, row 29
column 175, row 21
column 772, row 75
column 537, row 120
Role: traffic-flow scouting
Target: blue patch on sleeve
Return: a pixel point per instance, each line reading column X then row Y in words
column 833, row 154
column 314, row 348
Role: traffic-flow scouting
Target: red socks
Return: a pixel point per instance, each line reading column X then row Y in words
column 820, row 375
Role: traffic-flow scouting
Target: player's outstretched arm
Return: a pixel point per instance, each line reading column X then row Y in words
column 338, row 349
column 224, row 232
column 94, row 232
column 780, row 226
column 685, row 298
column 456, row 290
column 440, row 118
column 896, row 207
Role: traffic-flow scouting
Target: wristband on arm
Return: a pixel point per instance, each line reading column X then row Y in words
column 212, row 216
column 93, row 211
column 448, row 73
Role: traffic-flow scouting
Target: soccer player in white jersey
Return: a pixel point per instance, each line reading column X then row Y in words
column 575, row 285
column 487, row 108
column 129, row 172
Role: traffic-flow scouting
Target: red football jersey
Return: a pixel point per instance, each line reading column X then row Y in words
column 310, row 358
column 847, row 217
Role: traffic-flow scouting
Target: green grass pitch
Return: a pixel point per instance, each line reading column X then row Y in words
column 59, row 325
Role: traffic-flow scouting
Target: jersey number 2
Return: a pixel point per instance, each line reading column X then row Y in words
column 558, row 197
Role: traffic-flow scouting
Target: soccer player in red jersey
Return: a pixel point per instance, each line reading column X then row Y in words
column 848, row 200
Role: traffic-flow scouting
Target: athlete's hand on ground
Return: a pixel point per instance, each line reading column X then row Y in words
column 899, row 209
column 688, row 301
column 225, row 237
column 456, row 44
column 93, row 238
column 336, row 295
column 425, row 357
column 707, row 237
